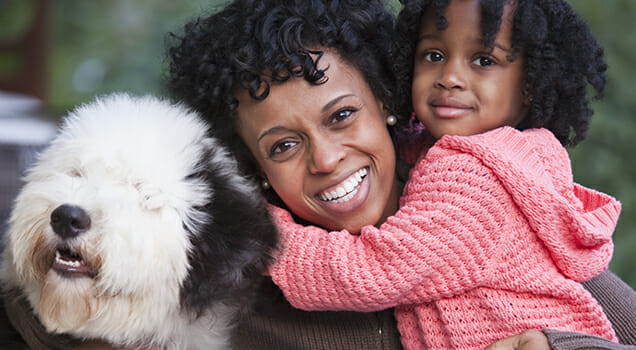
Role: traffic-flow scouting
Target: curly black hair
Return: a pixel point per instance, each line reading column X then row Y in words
column 561, row 57
column 251, row 44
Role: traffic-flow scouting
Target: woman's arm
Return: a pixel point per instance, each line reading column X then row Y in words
column 18, row 312
column 26, row 331
column 618, row 301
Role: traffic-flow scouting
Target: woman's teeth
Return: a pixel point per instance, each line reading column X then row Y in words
column 345, row 190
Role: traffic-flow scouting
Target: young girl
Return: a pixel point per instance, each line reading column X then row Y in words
column 492, row 235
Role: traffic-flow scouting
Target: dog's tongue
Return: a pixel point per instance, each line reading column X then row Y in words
column 71, row 265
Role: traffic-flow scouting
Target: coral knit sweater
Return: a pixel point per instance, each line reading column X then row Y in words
column 491, row 238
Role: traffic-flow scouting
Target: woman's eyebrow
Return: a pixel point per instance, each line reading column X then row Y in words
column 270, row 131
column 334, row 101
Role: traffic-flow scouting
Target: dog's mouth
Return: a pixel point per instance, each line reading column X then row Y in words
column 69, row 263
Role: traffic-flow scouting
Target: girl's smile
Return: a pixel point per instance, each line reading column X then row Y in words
column 449, row 107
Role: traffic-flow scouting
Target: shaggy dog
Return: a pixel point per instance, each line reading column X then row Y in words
column 134, row 226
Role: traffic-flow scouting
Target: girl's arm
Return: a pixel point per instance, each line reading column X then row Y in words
column 441, row 242
column 466, row 207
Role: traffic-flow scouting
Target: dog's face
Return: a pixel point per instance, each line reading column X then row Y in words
column 105, row 224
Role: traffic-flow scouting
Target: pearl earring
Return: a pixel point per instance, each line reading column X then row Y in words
column 265, row 185
column 391, row 120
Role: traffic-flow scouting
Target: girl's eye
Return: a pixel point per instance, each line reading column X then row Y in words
column 433, row 56
column 484, row 61
column 341, row 115
column 280, row 148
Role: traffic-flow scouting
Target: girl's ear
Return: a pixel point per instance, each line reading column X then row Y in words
column 527, row 98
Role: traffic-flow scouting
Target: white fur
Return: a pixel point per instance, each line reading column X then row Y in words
column 125, row 161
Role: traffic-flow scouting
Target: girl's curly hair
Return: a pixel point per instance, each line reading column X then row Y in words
column 561, row 57
column 251, row 44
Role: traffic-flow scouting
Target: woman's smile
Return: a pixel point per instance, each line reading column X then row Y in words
column 348, row 196
column 345, row 190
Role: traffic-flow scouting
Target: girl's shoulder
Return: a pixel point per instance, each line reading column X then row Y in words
column 508, row 152
column 530, row 145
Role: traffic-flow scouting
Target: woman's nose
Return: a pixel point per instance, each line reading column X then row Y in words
column 452, row 75
column 326, row 153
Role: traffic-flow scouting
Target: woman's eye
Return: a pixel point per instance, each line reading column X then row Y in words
column 341, row 115
column 281, row 147
column 484, row 61
column 433, row 56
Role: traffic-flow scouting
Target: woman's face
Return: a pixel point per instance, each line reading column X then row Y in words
column 324, row 149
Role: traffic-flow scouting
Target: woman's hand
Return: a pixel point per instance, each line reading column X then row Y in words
column 527, row 340
column 99, row 345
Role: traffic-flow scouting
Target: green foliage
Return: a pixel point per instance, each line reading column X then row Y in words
column 117, row 45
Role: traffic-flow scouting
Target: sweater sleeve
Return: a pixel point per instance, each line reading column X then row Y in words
column 440, row 243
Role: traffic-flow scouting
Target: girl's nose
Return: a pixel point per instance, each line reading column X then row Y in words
column 326, row 153
column 452, row 76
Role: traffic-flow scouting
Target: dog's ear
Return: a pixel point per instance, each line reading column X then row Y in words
column 232, row 250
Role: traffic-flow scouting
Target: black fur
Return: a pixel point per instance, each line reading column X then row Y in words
column 233, row 248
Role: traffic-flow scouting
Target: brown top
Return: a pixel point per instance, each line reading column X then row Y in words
column 276, row 325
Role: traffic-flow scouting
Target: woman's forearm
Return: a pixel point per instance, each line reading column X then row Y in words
column 560, row 340
column 618, row 301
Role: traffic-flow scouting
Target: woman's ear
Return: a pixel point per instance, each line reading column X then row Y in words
column 389, row 118
column 264, row 182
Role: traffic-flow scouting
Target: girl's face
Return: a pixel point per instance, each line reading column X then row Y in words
column 325, row 149
column 459, row 86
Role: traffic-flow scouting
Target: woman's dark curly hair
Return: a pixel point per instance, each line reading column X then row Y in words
column 560, row 53
column 251, row 44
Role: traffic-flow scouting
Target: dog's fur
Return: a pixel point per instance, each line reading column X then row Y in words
column 176, row 243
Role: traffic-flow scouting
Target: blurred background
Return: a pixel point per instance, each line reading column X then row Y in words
column 59, row 53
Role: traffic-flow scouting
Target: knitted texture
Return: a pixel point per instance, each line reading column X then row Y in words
column 490, row 238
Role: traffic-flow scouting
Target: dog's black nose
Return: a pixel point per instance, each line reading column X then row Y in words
column 68, row 221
